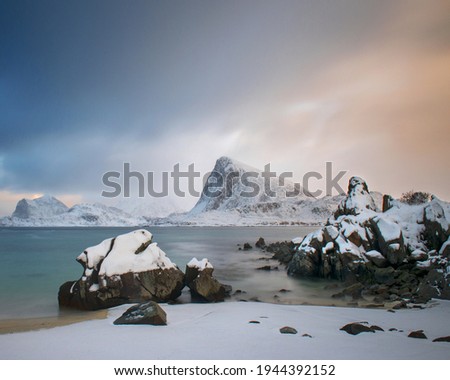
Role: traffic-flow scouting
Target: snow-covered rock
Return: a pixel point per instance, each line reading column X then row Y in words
column 403, row 248
column 358, row 199
column 199, row 278
column 127, row 268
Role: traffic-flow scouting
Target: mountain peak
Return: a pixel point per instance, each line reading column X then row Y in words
column 43, row 206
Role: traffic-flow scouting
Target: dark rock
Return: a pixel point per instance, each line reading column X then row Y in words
column 356, row 328
column 288, row 330
column 285, row 290
column 260, row 243
column 387, row 202
column 204, row 286
column 442, row 339
column 254, row 322
column 353, row 291
column 306, row 336
column 376, row 328
column 247, row 246
column 265, row 267
column 384, row 275
column 149, row 313
column 417, row 334
column 393, row 329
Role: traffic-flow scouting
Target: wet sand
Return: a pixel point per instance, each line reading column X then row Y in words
column 8, row 326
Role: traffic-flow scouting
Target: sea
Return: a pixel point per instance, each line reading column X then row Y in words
column 34, row 262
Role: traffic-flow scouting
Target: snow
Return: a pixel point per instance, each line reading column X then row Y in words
column 389, row 230
column 374, row 254
column 222, row 331
column 200, row 265
column 123, row 258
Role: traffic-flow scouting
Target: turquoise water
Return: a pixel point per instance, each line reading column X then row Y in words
column 36, row 261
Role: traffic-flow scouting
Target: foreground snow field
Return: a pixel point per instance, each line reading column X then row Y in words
column 223, row 331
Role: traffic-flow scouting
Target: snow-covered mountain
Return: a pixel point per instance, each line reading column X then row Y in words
column 43, row 207
column 237, row 194
column 149, row 207
column 48, row 211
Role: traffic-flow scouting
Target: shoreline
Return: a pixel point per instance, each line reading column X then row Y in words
column 12, row 326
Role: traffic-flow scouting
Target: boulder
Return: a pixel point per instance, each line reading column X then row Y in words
column 126, row 269
column 437, row 229
column 247, row 246
column 417, row 334
column 260, row 243
column 390, row 240
column 358, row 199
column 202, row 284
column 356, row 328
column 148, row 313
column 288, row 330
column 376, row 258
column 442, row 339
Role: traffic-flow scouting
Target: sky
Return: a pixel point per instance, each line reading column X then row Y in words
column 86, row 86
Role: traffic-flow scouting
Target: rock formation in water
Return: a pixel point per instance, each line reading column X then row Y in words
column 402, row 253
column 125, row 269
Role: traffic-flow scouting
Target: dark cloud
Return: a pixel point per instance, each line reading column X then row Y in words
column 87, row 85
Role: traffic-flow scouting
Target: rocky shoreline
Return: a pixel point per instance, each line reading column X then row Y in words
column 397, row 257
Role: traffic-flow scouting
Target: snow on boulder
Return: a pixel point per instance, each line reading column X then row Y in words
column 390, row 239
column 437, row 229
column 358, row 199
column 124, row 269
column 376, row 258
column 202, row 284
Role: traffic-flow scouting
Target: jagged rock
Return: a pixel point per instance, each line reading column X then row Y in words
column 353, row 291
column 288, row 330
column 148, row 313
column 376, row 258
column 202, row 284
column 125, row 269
column 417, row 334
column 282, row 251
column 260, row 243
column 437, row 229
column 390, row 240
column 358, row 199
column 361, row 245
column 247, row 246
column 356, row 328
column 442, row 339
column 387, row 202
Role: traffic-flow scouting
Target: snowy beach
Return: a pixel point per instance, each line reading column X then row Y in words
column 223, row 331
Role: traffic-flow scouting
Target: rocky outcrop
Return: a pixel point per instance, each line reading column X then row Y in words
column 148, row 313
column 402, row 253
column 125, row 269
column 202, row 284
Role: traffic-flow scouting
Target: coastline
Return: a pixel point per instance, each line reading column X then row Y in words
column 10, row 326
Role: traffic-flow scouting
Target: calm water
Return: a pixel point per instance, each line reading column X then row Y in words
column 34, row 262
